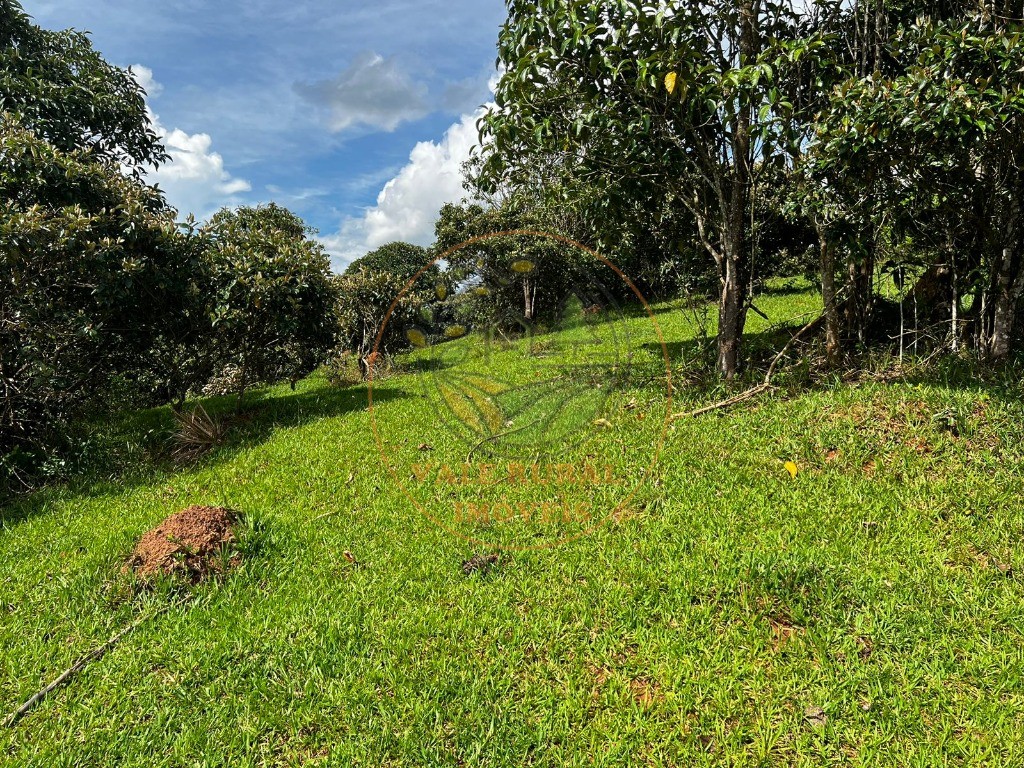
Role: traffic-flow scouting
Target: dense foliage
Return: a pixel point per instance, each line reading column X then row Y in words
column 882, row 134
column 935, row 154
column 106, row 300
column 97, row 282
column 388, row 298
column 510, row 280
column 272, row 295
column 57, row 86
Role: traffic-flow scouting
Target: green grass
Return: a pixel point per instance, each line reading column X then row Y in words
column 882, row 584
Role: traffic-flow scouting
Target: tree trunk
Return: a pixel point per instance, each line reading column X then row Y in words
column 879, row 17
column 860, row 286
column 731, row 317
column 529, row 297
column 954, row 320
column 1008, row 284
column 1003, row 312
column 735, row 267
column 241, row 396
column 833, row 345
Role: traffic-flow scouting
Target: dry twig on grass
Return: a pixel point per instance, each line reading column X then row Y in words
column 764, row 386
column 64, row 677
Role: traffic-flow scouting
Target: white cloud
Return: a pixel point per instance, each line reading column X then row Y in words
column 408, row 205
column 144, row 77
column 372, row 91
column 194, row 179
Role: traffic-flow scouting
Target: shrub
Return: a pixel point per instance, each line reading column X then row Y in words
column 97, row 286
column 273, row 296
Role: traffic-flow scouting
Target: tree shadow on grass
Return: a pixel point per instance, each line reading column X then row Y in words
column 1004, row 381
column 757, row 349
column 695, row 377
column 272, row 409
column 421, row 365
column 656, row 307
column 137, row 447
column 786, row 286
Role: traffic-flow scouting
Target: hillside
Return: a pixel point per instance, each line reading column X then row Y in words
column 866, row 610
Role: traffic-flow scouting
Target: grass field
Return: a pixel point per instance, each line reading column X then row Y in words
column 868, row 611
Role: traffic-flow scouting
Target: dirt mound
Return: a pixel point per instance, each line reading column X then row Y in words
column 192, row 543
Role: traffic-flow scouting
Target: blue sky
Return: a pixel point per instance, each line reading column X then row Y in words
column 354, row 115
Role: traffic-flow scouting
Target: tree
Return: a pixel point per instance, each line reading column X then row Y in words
column 273, row 296
column 935, row 153
column 55, row 85
column 100, row 286
column 639, row 228
column 386, row 294
column 514, row 280
column 96, row 282
column 681, row 96
column 862, row 229
column 403, row 260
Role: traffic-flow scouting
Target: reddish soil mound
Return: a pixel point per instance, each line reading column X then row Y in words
column 190, row 543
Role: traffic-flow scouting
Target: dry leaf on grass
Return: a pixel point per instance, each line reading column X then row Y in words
column 481, row 563
column 816, row 716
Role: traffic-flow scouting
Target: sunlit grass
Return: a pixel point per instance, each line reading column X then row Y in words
column 868, row 611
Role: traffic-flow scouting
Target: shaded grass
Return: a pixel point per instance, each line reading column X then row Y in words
column 882, row 584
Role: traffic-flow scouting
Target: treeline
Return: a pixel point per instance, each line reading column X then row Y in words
column 106, row 300
column 881, row 138
column 703, row 146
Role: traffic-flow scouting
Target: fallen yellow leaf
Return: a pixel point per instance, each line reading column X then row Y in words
column 792, row 468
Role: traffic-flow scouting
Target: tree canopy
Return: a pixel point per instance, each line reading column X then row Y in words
column 55, row 84
column 272, row 292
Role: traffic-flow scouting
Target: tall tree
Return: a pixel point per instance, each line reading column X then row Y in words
column 55, row 84
column 273, row 294
column 680, row 95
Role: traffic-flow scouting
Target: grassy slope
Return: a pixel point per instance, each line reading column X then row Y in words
column 697, row 629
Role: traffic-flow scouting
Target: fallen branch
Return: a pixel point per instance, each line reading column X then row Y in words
column 764, row 386
column 724, row 403
column 486, row 440
column 62, row 679
column 785, row 349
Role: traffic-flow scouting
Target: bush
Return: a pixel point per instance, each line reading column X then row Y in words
column 273, row 296
column 97, row 285
column 342, row 369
